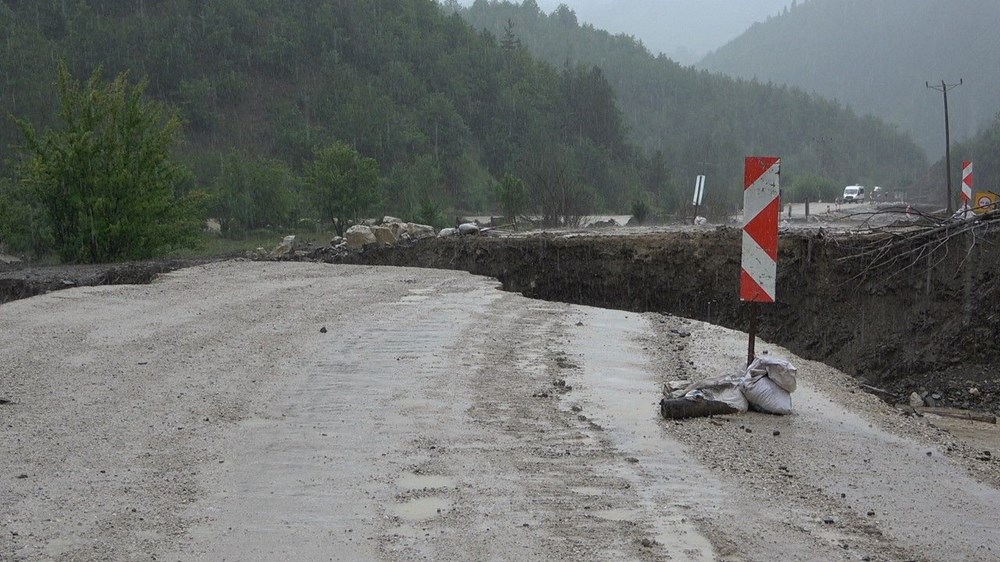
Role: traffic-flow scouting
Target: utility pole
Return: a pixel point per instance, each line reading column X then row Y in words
column 943, row 88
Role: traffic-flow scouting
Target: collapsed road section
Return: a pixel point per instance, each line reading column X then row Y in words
column 903, row 315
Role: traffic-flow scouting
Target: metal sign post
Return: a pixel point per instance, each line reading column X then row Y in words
column 761, row 211
column 699, row 192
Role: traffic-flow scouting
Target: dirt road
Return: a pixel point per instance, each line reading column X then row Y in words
column 208, row 416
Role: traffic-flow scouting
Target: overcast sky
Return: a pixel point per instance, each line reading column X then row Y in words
column 683, row 29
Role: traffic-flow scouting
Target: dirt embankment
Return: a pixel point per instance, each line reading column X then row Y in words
column 932, row 327
column 924, row 328
column 21, row 281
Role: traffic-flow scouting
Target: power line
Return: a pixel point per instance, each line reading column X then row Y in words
column 943, row 88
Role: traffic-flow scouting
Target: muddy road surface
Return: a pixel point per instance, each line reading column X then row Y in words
column 267, row 411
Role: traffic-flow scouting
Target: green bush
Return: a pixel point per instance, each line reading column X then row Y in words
column 640, row 211
column 24, row 228
column 343, row 184
column 105, row 178
column 512, row 197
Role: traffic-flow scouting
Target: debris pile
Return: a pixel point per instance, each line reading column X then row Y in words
column 766, row 385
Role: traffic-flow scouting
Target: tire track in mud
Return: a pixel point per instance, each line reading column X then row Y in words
column 546, row 485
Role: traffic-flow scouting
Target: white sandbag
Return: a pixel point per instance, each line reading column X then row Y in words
column 766, row 395
column 726, row 390
column 779, row 370
column 731, row 396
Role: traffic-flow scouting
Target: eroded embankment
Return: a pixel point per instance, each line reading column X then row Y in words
column 22, row 281
column 931, row 324
column 921, row 327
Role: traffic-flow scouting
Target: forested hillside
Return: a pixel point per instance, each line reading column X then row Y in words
column 702, row 123
column 876, row 55
column 983, row 150
column 265, row 86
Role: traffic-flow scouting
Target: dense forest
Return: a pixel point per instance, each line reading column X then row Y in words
column 983, row 149
column 401, row 103
column 265, row 86
column 876, row 56
column 702, row 123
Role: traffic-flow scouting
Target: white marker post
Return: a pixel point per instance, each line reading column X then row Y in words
column 699, row 193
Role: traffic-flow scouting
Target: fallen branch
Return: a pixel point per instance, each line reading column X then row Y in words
column 904, row 250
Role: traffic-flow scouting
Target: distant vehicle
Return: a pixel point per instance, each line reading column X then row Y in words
column 854, row 194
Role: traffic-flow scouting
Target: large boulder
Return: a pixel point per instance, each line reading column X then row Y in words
column 398, row 229
column 384, row 235
column 359, row 236
column 468, row 228
column 287, row 247
column 417, row 231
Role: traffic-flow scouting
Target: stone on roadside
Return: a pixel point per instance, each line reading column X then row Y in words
column 384, row 235
column 916, row 401
column 336, row 240
column 285, row 248
column 398, row 229
column 418, row 231
column 447, row 232
column 387, row 220
column 359, row 236
column 468, row 228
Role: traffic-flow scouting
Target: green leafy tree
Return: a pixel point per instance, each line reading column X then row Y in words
column 254, row 194
column 343, row 184
column 105, row 177
column 24, row 228
column 512, row 196
column 811, row 187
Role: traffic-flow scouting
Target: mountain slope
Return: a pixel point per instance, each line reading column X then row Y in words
column 876, row 56
column 442, row 108
column 704, row 123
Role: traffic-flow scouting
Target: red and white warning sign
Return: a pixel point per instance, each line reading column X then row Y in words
column 761, row 208
column 966, row 184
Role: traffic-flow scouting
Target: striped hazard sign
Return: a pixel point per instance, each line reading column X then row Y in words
column 761, row 208
column 966, row 185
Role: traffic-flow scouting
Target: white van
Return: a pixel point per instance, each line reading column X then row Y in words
column 854, row 194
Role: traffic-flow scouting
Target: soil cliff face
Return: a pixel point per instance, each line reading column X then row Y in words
column 930, row 325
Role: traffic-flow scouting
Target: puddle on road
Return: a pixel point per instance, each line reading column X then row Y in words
column 421, row 509
column 616, row 515
column 619, row 393
column 425, row 481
